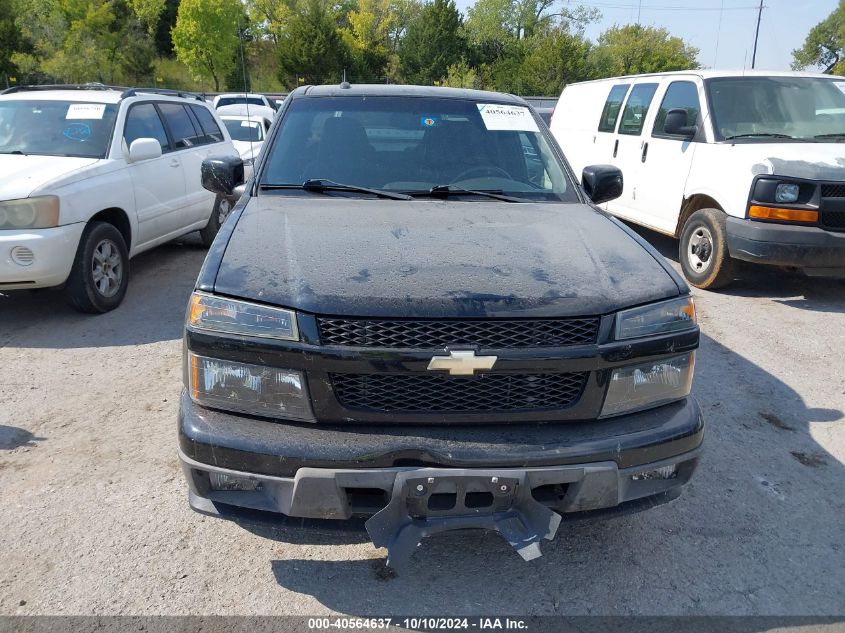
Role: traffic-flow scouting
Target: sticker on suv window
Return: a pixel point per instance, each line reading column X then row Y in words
column 507, row 117
column 86, row 111
column 428, row 121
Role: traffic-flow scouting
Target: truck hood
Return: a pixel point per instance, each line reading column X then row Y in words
column 24, row 174
column 814, row 161
column 429, row 258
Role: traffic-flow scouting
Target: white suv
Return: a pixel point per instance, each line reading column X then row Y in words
column 94, row 176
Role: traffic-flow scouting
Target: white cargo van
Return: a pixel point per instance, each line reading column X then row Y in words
column 738, row 165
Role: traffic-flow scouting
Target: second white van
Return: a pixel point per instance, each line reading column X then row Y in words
column 737, row 165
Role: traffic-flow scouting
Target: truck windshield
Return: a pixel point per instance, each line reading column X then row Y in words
column 413, row 144
column 56, row 128
column 777, row 109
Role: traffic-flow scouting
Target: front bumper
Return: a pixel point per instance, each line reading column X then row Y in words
column 812, row 249
column 52, row 250
column 334, row 472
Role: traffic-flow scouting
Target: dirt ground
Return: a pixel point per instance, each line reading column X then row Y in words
column 95, row 520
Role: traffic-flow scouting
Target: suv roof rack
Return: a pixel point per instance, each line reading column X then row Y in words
column 133, row 92
column 87, row 86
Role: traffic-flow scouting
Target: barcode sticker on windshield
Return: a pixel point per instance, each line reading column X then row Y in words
column 507, row 117
column 86, row 111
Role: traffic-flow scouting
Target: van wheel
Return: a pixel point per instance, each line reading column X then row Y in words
column 222, row 209
column 100, row 273
column 704, row 254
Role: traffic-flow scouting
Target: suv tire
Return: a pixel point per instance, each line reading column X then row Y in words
column 100, row 273
column 703, row 251
column 222, row 209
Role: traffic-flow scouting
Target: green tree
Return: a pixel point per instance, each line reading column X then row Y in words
column 164, row 27
column 205, row 37
column 634, row 49
column 433, row 42
column 368, row 37
column 311, row 47
column 10, row 40
column 83, row 40
column 553, row 60
column 825, row 44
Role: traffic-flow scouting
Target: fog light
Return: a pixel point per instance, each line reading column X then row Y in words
column 786, row 193
column 222, row 481
column 666, row 472
column 22, row 256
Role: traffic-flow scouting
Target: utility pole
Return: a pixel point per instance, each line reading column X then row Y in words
column 757, row 34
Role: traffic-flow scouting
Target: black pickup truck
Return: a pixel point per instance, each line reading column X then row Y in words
column 414, row 312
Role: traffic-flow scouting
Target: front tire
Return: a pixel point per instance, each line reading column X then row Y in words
column 222, row 209
column 703, row 251
column 99, row 276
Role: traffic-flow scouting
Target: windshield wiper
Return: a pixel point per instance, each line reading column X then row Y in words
column 16, row 152
column 759, row 135
column 320, row 185
column 831, row 135
column 447, row 190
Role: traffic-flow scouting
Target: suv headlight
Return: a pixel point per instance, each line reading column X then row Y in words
column 665, row 317
column 219, row 314
column 647, row 385
column 247, row 388
column 41, row 212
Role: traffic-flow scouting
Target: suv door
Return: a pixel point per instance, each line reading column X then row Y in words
column 629, row 146
column 190, row 149
column 158, row 183
column 662, row 176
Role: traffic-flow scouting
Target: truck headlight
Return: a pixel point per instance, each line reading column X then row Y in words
column 41, row 212
column 665, row 317
column 648, row 385
column 219, row 314
column 786, row 192
column 246, row 388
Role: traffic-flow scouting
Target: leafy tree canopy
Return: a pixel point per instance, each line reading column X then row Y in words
column 825, row 44
column 635, row 49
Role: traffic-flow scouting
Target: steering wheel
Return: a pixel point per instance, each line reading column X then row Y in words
column 482, row 170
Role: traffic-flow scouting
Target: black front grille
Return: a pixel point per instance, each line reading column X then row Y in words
column 833, row 191
column 409, row 393
column 437, row 334
column 833, row 220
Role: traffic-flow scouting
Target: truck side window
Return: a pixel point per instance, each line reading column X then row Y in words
column 679, row 94
column 610, row 112
column 636, row 109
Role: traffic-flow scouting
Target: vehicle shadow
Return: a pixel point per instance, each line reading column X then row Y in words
column 754, row 533
column 161, row 282
column 12, row 437
column 782, row 286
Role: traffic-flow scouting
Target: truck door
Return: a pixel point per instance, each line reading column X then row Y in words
column 604, row 139
column 629, row 147
column 667, row 159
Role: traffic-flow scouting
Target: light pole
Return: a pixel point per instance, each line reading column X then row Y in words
column 757, row 34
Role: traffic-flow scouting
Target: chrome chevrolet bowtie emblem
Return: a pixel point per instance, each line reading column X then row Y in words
column 462, row 363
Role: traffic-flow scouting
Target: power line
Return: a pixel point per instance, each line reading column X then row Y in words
column 654, row 7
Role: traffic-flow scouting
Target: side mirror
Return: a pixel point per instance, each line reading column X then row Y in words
column 602, row 182
column 222, row 175
column 676, row 124
column 144, row 149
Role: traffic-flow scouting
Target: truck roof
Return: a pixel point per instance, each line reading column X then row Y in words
column 397, row 90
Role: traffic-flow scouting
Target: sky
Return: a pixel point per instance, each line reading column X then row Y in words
column 722, row 30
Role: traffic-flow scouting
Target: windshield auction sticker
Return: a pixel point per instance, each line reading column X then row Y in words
column 85, row 111
column 507, row 117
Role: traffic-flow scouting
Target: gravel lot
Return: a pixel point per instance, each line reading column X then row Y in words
column 95, row 519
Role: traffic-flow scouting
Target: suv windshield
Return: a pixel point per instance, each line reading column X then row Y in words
column 777, row 109
column 244, row 129
column 56, row 128
column 412, row 144
column 226, row 101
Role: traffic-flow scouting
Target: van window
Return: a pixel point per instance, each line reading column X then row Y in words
column 611, row 107
column 679, row 95
column 636, row 109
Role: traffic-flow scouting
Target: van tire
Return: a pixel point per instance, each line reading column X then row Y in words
column 222, row 209
column 703, row 251
column 101, row 251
